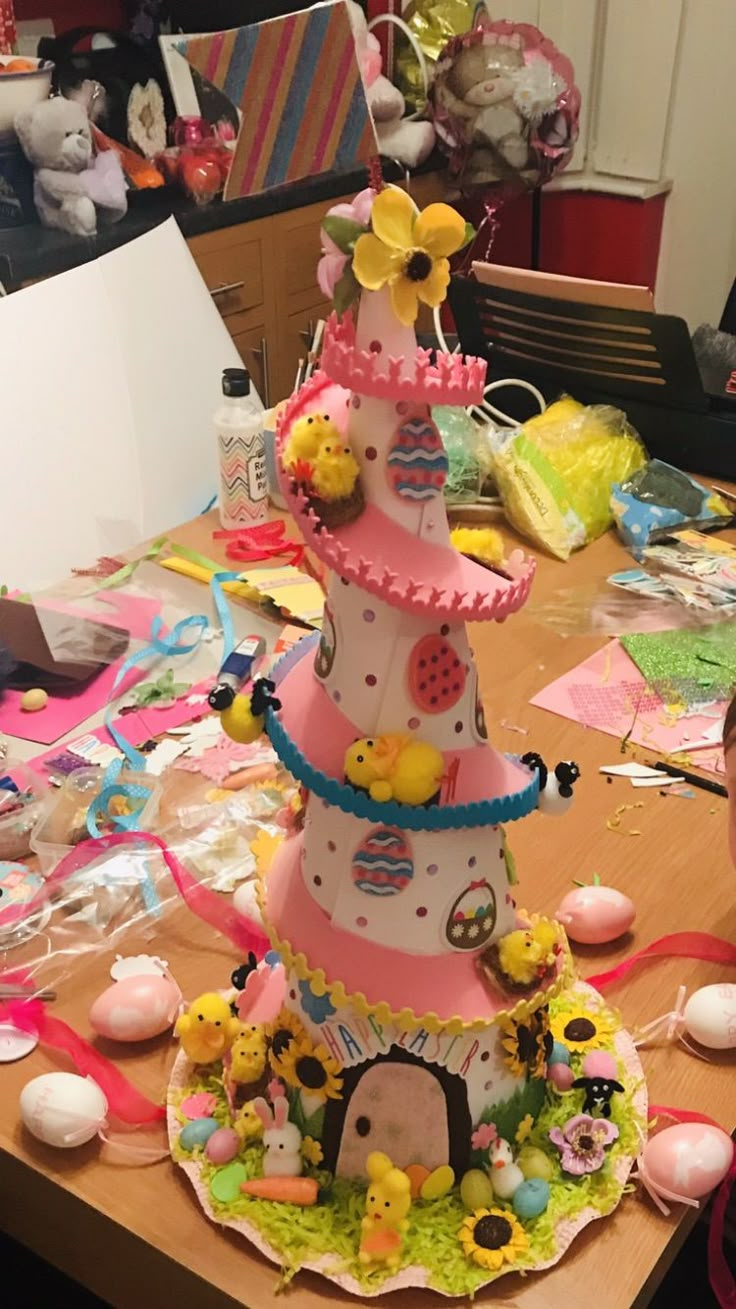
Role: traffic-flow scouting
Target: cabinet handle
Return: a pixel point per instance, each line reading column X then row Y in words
column 261, row 353
column 227, row 286
column 307, row 334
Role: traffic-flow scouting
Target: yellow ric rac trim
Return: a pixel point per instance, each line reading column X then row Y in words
column 405, row 1019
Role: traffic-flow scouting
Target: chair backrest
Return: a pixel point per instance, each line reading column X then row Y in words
column 595, row 352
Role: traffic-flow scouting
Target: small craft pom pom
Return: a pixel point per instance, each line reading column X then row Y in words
column 34, row 700
column 600, row 1064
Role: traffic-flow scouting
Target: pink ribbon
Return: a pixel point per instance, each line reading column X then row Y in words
column 684, row 945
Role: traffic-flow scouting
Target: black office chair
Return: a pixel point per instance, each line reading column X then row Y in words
column 642, row 362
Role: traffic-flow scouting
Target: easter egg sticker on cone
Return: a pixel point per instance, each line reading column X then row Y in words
column 417, row 463
column 382, row 864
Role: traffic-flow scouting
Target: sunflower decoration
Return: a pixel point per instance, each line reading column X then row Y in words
column 582, row 1029
column 311, row 1068
column 312, row 1151
column 492, row 1238
column 285, row 1029
column 408, row 252
column 527, row 1043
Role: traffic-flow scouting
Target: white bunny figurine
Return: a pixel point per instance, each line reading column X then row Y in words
column 281, row 1138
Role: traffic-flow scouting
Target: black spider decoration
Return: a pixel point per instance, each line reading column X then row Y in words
column 567, row 774
column 537, row 765
column 262, row 697
column 598, row 1093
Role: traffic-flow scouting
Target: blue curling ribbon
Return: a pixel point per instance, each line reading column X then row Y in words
column 224, row 617
column 100, row 808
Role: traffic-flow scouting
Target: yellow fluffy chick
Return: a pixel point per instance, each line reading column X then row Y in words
column 395, row 768
column 247, row 1123
column 208, row 1028
column 306, row 437
column 248, row 1055
column 335, row 469
column 482, row 543
column 526, row 954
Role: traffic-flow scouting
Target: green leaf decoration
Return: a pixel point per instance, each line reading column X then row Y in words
column 343, row 231
column 347, row 291
column 508, row 1114
column 161, row 692
column 469, row 237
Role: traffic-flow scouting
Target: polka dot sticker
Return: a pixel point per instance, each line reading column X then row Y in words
column 370, row 679
column 472, row 861
column 414, row 723
column 317, row 880
column 375, row 347
column 361, row 922
column 331, row 847
column 356, row 402
column 336, row 697
column 436, row 676
column 432, row 869
column 368, row 616
column 422, row 911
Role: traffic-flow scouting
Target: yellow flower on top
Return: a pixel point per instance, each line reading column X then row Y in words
column 408, row 252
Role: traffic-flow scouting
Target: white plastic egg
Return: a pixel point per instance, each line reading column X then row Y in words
column 63, row 1109
column 710, row 1016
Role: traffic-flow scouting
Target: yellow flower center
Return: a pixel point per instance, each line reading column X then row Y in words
column 418, row 266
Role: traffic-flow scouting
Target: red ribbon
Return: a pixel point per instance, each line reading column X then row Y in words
column 125, row 1102
column 684, row 945
column 266, row 541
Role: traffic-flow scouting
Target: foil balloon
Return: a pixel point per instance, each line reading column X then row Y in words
column 505, row 107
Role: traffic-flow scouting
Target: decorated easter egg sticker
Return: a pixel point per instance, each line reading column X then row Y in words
column 472, row 917
column 382, row 864
column 437, row 675
column 325, row 656
column 417, row 463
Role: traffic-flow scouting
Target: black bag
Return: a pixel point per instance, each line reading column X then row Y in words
column 117, row 68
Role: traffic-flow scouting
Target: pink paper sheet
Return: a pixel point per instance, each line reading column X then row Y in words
column 143, row 724
column 607, row 690
column 65, row 712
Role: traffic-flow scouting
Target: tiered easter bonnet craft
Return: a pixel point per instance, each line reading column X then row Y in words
column 416, row 1090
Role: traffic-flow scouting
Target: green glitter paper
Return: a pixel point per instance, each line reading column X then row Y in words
column 694, row 666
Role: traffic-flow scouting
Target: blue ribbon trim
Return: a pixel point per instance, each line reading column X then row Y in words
column 414, row 818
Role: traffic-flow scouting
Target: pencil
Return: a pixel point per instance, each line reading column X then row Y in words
column 705, row 784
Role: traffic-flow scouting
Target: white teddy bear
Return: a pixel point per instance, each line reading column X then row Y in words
column 71, row 187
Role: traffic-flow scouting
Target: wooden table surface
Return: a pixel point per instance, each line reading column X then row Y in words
column 137, row 1237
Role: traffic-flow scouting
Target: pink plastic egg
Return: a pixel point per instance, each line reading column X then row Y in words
column 135, row 1008
column 599, row 1063
column 222, row 1146
column 688, row 1160
column 593, row 915
column 561, row 1076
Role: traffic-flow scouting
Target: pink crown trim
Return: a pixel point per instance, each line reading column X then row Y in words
column 453, row 380
column 386, row 560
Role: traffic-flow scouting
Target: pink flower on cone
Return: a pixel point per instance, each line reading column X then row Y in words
column 332, row 264
column 483, row 1136
column 582, row 1143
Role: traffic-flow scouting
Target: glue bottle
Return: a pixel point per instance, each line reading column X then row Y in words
column 239, row 427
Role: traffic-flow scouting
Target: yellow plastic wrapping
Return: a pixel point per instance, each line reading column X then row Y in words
column 433, row 23
column 555, row 473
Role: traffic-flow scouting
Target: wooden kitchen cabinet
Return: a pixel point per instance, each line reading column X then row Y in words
column 263, row 278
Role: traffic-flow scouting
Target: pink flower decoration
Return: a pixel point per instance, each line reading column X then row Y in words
column 275, row 1088
column 582, row 1143
column 483, row 1136
column 201, row 1105
column 332, row 264
column 214, row 763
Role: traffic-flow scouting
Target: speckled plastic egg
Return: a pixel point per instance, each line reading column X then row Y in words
column 687, row 1160
column 222, row 1145
column 136, row 1008
column 710, row 1016
column 417, row 463
column 593, row 915
column 197, row 1133
column 382, row 864
column 534, row 1163
column 531, row 1198
column 560, row 1054
column 561, row 1076
column 63, row 1109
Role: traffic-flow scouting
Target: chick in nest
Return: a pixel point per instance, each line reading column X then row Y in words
column 528, row 953
column 484, row 544
column 306, row 437
column 335, row 469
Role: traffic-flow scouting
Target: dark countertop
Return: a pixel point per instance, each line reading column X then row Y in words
column 34, row 251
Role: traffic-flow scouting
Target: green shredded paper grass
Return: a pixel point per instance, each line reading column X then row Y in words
column 332, row 1226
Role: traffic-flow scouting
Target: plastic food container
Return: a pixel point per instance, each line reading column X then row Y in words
column 20, row 813
column 65, row 824
column 22, row 90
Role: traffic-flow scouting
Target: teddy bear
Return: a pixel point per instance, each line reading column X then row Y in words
column 406, row 140
column 72, row 187
column 478, row 91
